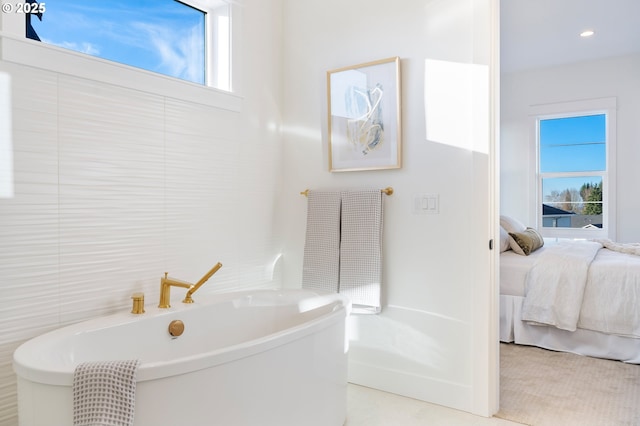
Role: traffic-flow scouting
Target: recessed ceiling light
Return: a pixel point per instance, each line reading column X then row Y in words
column 587, row 33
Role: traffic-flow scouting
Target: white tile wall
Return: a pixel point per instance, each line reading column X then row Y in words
column 113, row 187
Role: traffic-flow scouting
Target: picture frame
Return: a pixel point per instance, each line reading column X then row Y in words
column 364, row 116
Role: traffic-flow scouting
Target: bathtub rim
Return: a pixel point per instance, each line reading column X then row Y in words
column 26, row 368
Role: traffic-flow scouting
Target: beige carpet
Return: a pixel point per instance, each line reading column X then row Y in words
column 546, row 388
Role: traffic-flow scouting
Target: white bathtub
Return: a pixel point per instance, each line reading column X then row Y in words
column 266, row 357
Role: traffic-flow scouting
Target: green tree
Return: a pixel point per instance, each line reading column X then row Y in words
column 592, row 193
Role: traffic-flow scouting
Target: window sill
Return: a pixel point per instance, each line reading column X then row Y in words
column 52, row 58
column 573, row 233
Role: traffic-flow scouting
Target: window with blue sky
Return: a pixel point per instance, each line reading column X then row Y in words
column 573, row 144
column 572, row 165
column 163, row 36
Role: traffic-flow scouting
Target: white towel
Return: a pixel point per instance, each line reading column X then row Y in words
column 104, row 393
column 322, row 244
column 361, row 249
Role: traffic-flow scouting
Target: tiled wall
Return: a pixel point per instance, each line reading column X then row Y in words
column 113, row 187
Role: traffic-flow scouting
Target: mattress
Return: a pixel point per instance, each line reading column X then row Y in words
column 513, row 271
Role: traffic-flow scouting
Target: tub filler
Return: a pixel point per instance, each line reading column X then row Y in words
column 265, row 357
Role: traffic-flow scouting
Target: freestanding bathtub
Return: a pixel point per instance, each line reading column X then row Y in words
column 264, row 357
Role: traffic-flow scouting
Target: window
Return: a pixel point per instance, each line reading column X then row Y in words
column 167, row 36
column 575, row 143
column 122, row 40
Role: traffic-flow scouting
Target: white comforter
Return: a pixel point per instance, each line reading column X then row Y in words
column 581, row 285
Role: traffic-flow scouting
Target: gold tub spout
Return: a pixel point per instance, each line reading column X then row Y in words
column 194, row 288
column 165, row 289
column 166, row 283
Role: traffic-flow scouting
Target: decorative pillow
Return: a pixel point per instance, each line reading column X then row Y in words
column 504, row 240
column 528, row 241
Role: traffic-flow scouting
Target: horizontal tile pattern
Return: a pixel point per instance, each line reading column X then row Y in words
column 111, row 194
column 113, row 187
column 29, row 223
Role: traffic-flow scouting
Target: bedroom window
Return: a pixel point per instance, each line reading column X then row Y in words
column 187, row 39
column 574, row 146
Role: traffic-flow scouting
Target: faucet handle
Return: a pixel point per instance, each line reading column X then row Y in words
column 138, row 303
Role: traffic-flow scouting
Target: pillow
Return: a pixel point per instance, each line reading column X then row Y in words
column 512, row 225
column 528, row 241
column 504, row 240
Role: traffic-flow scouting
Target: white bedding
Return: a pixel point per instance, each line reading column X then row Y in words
column 581, row 341
column 607, row 300
column 611, row 302
column 513, row 271
column 609, row 319
column 556, row 283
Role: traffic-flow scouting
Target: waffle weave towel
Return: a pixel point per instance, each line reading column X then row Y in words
column 361, row 249
column 343, row 246
column 322, row 244
column 104, row 393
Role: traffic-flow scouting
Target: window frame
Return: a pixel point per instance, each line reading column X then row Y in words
column 211, row 54
column 15, row 47
column 606, row 106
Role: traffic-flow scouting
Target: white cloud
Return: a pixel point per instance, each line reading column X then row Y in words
column 88, row 48
column 180, row 54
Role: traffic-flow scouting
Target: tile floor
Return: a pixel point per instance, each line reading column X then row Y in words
column 371, row 407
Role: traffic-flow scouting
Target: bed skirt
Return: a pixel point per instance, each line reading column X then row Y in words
column 581, row 341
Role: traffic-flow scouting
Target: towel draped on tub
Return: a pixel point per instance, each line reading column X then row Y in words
column 343, row 246
column 104, row 393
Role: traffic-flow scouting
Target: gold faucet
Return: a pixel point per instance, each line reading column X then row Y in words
column 166, row 283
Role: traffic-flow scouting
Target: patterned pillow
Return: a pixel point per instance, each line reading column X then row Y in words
column 528, row 241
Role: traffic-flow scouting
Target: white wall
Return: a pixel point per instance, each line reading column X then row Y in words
column 173, row 186
column 613, row 77
column 431, row 340
column 115, row 186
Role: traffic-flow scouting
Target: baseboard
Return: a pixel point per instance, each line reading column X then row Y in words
column 448, row 394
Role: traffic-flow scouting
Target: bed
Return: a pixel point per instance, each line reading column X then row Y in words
column 570, row 296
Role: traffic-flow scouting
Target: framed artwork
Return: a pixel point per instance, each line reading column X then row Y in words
column 364, row 116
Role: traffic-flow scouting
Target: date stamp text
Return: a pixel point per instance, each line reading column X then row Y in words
column 24, row 8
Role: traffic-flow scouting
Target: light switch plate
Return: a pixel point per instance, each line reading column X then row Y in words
column 426, row 204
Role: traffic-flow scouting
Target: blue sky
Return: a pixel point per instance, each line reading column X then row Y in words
column 158, row 35
column 572, row 144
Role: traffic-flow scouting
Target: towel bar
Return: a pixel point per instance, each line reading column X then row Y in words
column 388, row 190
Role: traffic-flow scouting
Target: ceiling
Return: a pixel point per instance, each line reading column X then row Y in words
column 541, row 33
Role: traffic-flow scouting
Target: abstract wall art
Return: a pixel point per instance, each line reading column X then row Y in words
column 364, row 116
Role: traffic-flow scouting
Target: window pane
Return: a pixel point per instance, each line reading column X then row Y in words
column 572, row 202
column 163, row 36
column 573, row 144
